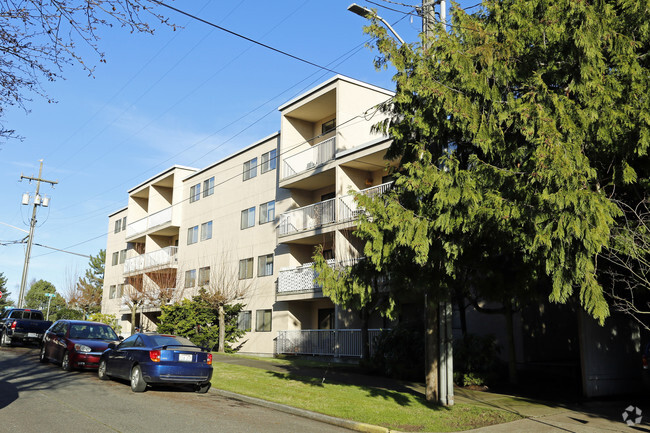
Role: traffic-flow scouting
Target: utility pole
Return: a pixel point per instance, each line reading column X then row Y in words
column 38, row 201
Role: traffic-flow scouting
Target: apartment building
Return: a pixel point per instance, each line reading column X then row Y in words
column 258, row 214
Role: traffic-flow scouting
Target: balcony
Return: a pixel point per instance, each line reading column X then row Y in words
column 324, row 212
column 310, row 158
column 154, row 220
column 325, row 342
column 160, row 259
column 308, row 217
column 299, row 279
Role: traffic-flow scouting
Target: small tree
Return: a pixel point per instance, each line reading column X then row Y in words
column 87, row 291
column 4, row 301
column 223, row 286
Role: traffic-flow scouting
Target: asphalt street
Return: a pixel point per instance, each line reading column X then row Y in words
column 37, row 397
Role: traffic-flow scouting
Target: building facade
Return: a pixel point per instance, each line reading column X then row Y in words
column 255, row 217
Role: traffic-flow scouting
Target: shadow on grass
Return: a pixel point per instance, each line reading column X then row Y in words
column 397, row 396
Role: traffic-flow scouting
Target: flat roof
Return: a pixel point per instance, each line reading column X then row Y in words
column 173, row 167
column 118, row 211
column 330, row 81
column 232, row 155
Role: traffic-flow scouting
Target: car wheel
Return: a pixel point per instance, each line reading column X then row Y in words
column 101, row 371
column 6, row 340
column 65, row 362
column 137, row 381
column 42, row 356
column 203, row 388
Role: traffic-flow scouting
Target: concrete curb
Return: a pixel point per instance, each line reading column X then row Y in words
column 351, row 425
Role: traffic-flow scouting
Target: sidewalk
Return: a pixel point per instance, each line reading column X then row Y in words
column 540, row 416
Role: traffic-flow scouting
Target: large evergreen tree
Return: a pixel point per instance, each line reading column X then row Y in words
column 88, row 290
column 513, row 128
column 4, row 301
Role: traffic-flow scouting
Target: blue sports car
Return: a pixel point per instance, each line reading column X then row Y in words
column 152, row 358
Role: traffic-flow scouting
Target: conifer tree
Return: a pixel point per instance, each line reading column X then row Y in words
column 513, row 129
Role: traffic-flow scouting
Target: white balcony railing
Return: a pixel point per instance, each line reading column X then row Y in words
column 154, row 220
column 166, row 257
column 310, row 158
column 299, row 279
column 349, row 208
column 308, row 217
column 326, row 342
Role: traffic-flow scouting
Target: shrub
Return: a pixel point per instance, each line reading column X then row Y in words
column 399, row 353
column 109, row 319
column 475, row 360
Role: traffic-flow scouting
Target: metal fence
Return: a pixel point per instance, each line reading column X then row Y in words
column 325, row 342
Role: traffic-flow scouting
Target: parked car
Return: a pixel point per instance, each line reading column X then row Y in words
column 22, row 325
column 155, row 359
column 76, row 343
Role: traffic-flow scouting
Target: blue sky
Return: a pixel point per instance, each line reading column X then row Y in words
column 188, row 97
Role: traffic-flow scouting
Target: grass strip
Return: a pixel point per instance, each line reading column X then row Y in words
column 396, row 410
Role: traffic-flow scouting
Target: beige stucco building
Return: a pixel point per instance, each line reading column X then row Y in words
column 257, row 215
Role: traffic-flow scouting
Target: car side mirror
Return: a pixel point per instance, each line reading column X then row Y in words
column 112, row 345
column 121, row 338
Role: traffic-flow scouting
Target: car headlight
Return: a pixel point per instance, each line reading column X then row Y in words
column 81, row 348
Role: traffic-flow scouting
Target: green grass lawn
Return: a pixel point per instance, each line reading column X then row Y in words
column 397, row 410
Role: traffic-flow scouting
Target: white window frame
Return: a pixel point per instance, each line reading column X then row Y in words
column 267, row 212
column 261, row 327
column 192, row 235
column 265, row 265
column 208, row 187
column 250, row 169
column 247, row 218
column 269, row 161
column 246, row 268
column 204, row 276
column 190, row 278
column 244, row 320
column 195, row 193
column 206, row 231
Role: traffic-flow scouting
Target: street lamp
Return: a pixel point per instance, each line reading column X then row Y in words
column 367, row 13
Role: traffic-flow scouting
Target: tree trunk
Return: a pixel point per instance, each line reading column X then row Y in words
column 134, row 311
column 512, row 356
column 431, row 349
column 222, row 329
column 365, row 340
column 460, row 305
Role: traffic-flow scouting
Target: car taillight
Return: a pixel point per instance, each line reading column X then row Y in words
column 13, row 325
column 209, row 359
column 154, row 355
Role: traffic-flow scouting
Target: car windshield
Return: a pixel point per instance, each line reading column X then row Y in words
column 92, row 332
column 170, row 340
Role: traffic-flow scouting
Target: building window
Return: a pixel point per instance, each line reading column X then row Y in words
column 192, row 235
column 269, row 161
column 116, row 258
column 246, row 268
column 244, row 320
column 250, row 169
column 265, row 265
column 267, row 212
column 190, row 278
column 263, row 320
column 111, row 292
column 204, row 276
column 247, row 218
column 124, row 223
column 208, row 187
column 122, row 256
column 206, row 231
column 195, row 193
column 120, row 290
column 328, row 126
column 118, row 225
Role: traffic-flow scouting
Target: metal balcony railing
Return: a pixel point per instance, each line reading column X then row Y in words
column 310, row 158
column 299, row 279
column 308, row 217
column 349, row 208
column 165, row 257
column 154, row 220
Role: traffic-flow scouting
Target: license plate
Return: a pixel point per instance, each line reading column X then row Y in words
column 185, row 357
column 32, row 335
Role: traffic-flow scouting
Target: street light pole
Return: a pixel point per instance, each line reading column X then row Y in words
column 367, row 13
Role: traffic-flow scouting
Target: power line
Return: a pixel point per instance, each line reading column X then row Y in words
column 300, row 59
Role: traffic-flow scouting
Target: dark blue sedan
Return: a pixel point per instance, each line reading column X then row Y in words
column 151, row 358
